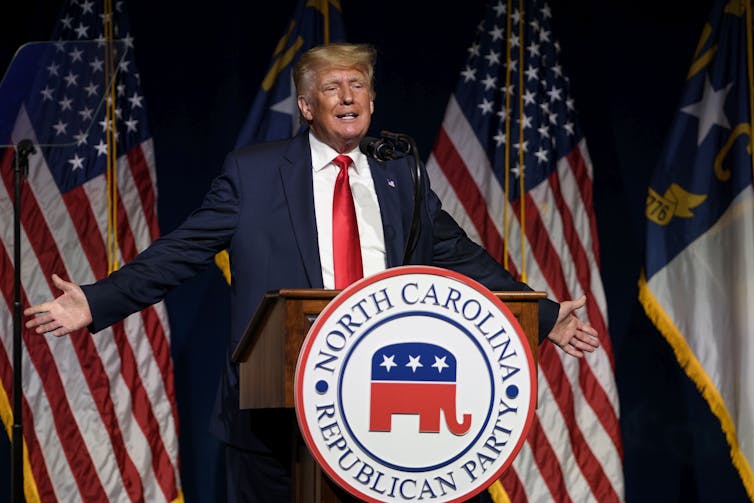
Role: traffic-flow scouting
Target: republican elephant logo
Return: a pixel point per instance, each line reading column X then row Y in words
column 415, row 378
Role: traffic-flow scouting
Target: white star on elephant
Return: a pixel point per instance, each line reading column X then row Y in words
column 440, row 364
column 388, row 362
column 413, row 362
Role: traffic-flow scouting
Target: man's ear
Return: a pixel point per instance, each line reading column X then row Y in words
column 303, row 106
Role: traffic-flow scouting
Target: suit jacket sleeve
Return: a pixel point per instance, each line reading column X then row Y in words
column 171, row 259
column 454, row 250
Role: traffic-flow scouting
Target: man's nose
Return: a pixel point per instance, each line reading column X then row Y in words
column 346, row 96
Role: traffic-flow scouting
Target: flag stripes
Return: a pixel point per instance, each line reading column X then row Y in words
column 574, row 448
column 470, row 197
column 33, row 452
column 594, row 380
column 103, row 402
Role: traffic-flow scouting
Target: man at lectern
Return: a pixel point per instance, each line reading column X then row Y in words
column 310, row 212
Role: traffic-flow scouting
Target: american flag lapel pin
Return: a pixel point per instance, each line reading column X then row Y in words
column 391, row 182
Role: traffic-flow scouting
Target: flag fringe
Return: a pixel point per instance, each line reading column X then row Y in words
column 6, row 414
column 222, row 261
column 694, row 370
column 497, row 492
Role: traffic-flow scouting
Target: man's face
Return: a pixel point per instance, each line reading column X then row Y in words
column 341, row 107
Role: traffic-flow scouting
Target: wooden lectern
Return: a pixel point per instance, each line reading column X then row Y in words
column 268, row 353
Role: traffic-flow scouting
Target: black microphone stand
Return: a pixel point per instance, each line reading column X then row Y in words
column 418, row 179
column 24, row 149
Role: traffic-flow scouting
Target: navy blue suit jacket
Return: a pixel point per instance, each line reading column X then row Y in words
column 261, row 209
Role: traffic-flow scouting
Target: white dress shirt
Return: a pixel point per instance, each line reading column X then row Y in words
column 365, row 200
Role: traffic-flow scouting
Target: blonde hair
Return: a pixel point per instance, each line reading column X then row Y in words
column 359, row 56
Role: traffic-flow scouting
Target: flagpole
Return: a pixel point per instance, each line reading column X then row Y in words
column 326, row 14
column 507, row 159
column 521, row 159
column 24, row 148
column 750, row 76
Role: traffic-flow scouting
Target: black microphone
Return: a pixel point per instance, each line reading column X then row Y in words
column 401, row 142
column 381, row 149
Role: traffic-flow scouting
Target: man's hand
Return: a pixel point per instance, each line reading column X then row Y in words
column 570, row 333
column 65, row 314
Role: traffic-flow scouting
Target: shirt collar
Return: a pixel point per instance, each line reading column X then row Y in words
column 323, row 154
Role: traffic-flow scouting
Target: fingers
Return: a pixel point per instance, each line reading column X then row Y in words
column 585, row 337
column 587, row 334
column 58, row 332
column 42, row 313
column 578, row 338
column 46, row 323
column 40, row 321
column 46, row 306
column 578, row 348
column 47, row 327
column 589, row 331
column 37, row 320
column 584, row 345
column 37, row 310
column 572, row 335
column 571, row 350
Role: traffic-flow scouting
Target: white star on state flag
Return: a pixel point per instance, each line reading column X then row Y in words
column 289, row 106
column 710, row 110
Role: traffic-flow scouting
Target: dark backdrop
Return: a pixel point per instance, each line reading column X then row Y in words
column 201, row 64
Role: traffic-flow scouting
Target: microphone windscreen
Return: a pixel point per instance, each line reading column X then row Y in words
column 367, row 145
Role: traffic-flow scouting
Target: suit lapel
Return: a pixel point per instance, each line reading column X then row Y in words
column 296, row 175
column 392, row 184
column 387, row 185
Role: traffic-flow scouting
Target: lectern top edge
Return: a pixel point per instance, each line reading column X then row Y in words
column 271, row 297
column 267, row 303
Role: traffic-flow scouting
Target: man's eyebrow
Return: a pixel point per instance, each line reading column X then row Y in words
column 337, row 81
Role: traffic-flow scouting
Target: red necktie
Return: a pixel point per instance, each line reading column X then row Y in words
column 345, row 231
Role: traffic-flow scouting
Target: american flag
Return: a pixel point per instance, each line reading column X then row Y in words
column 99, row 414
column 511, row 165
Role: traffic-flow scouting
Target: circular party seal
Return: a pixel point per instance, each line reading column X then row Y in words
column 416, row 383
